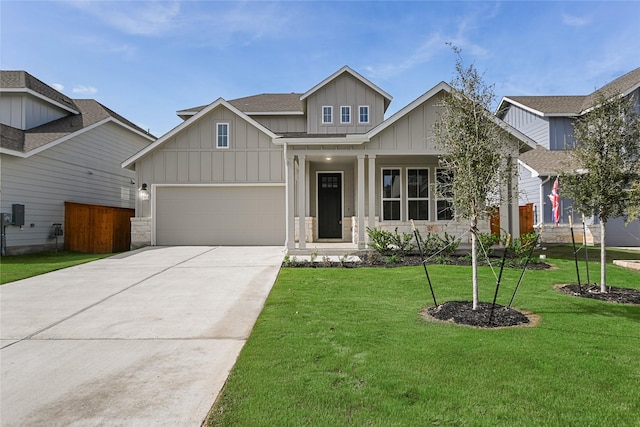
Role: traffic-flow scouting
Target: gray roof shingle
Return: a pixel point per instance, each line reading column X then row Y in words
column 576, row 105
column 24, row 80
column 547, row 162
column 263, row 103
column 91, row 112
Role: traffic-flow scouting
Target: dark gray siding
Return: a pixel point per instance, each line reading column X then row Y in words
column 561, row 133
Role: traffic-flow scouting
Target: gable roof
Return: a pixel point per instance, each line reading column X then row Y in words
column 91, row 114
column 199, row 115
column 442, row 86
column 346, row 69
column 263, row 104
column 550, row 106
column 23, row 82
column 543, row 162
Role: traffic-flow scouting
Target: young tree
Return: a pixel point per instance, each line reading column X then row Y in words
column 606, row 154
column 477, row 151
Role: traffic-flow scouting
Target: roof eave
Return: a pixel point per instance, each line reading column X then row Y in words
column 339, row 140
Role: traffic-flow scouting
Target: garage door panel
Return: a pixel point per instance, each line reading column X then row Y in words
column 220, row 215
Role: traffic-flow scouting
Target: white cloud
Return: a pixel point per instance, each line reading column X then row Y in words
column 58, row 87
column 139, row 17
column 84, row 90
column 575, row 21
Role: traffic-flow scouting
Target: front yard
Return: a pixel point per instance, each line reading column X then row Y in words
column 349, row 347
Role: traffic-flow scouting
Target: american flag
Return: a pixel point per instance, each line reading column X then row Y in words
column 555, row 202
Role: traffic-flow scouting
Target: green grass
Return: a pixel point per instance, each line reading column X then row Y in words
column 338, row 347
column 19, row 267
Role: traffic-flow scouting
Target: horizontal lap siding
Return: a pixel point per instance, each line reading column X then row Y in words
column 44, row 181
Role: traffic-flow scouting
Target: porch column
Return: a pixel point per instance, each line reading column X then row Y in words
column 302, row 198
column 290, row 241
column 510, row 214
column 372, row 191
column 361, row 243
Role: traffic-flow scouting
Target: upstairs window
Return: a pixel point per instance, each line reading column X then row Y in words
column 345, row 114
column 444, row 194
column 222, row 135
column 391, row 194
column 327, row 114
column 363, row 114
column 418, row 193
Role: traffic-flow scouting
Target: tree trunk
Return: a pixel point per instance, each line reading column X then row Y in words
column 474, row 264
column 603, row 258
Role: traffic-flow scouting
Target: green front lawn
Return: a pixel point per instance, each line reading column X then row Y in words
column 18, row 267
column 337, row 347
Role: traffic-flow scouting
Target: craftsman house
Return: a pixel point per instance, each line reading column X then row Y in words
column 55, row 153
column 318, row 166
column 548, row 120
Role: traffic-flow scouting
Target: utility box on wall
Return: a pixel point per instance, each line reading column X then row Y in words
column 17, row 213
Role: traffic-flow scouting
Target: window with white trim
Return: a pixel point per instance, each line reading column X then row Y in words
column 345, row 114
column 363, row 114
column 444, row 194
column 391, row 194
column 222, row 135
column 418, row 193
column 327, row 114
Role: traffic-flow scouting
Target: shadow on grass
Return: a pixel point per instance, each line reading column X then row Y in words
column 577, row 305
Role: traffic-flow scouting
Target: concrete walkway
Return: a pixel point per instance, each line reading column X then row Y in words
column 141, row 339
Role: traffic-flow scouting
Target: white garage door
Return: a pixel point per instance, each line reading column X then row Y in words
column 234, row 215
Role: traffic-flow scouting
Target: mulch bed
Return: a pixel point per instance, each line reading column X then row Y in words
column 462, row 313
column 615, row 295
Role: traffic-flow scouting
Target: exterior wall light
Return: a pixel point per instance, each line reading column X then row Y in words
column 143, row 192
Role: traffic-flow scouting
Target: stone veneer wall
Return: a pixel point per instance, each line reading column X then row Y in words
column 140, row 232
column 562, row 234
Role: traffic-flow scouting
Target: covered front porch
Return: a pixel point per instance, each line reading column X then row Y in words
column 340, row 193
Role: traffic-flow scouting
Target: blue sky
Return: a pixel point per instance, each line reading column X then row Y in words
column 148, row 59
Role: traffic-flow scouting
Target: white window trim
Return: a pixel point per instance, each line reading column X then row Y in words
column 388, row 199
column 348, row 107
column 368, row 114
column 435, row 196
column 418, row 199
column 330, row 107
column 222, row 147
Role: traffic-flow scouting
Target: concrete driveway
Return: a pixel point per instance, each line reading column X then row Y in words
column 141, row 339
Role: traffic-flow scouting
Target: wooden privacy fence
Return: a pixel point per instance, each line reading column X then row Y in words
column 96, row 229
column 526, row 219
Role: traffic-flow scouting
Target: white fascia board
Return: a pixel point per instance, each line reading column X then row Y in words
column 14, row 153
column 340, row 140
column 136, row 131
column 40, row 96
column 407, row 109
column 128, row 164
column 534, row 173
column 354, row 74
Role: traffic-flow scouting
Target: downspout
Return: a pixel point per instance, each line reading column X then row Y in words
column 286, row 198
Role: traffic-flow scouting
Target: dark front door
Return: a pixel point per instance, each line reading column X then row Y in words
column 330, row 206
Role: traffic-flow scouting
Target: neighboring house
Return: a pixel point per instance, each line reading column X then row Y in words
column 548, row 120
column 53, row 150
column 242, row 172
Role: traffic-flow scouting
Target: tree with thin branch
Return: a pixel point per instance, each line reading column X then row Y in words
column 604, row 182
column 477, row 152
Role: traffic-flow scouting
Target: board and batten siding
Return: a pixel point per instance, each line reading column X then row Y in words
column 561, row 133
column 344, row 90
column 191, row 156
column 529, row 191
column 283, row 124
column 532, row 125
column 26, row 112
column 84, row 169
